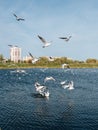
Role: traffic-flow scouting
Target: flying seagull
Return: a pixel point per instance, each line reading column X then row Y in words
column 10, row 45
column 34, row 59
column 50, row 58
column 18, row 18
column 69, row 85
column 65, row 65
column 31, row 55
column 49, row 78
column 66, row 38
column 46, row 44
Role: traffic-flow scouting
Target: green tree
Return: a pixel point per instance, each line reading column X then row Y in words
column 1, row 58
column 91, row 60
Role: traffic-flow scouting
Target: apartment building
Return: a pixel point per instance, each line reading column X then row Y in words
column 15, row 54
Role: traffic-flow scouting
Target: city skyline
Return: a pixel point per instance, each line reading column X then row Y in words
column 50, row 19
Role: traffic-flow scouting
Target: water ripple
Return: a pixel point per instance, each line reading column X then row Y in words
column 22, row 109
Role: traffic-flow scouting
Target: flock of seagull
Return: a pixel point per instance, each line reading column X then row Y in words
column 44, row 91
column 41, row 89
column 43, row 40
column 46, row 44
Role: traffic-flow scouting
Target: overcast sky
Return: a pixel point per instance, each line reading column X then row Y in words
column 50, row 19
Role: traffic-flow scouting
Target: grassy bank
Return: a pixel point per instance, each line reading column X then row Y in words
column 29, row 65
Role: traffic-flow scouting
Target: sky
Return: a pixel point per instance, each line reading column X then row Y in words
column 50, row 19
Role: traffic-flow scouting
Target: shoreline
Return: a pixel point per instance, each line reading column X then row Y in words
column 57, row 66
column 37, row 67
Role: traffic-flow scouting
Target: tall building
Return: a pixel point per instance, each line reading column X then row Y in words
column 15, row 54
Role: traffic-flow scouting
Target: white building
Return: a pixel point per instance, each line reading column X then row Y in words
column 15, row 54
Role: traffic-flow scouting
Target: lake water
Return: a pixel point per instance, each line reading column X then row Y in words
column 65, row 109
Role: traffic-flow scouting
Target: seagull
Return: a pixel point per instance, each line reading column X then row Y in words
column 63, row 82
column 31, row 55
column 10, row 45
column 42, row 90
column 46, row 93
column 46, row 44
column 49, row 78
column 34, row 59
column 66, row 38
column 50, row 58
column 65, row 86
column 39, row 87
column 69, row 85
column 18, row 18
column 65, row 65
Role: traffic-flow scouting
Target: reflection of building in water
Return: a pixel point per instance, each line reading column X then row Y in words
column 15, row 54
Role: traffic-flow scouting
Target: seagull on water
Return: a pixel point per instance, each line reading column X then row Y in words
column 42, row 90
column 66, row 38
column 46, row 44
column 69, row 85
column 18, row 18
column 39, row 87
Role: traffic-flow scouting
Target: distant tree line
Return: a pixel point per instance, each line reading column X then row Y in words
column 1, row 57
column 57, row 61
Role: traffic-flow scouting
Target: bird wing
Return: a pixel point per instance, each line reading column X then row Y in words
column 15, row 15
column 51, row 57
column 10, row 45
column 63, row 37
column 21, row 19
column 42, row 39
column 31, row 55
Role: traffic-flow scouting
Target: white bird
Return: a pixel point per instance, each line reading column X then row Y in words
column 65, row 86
column 62, row 82
column 46, row 44
column 42, row 90
column 49, row 78
column 66, row 38
column 34, row 59
column 65, row 65
column 50, row 58
column 18, row 18
column 37, row 84
column 71, row 85
column 46, row 94
column 39, row 87
column 20, row 71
